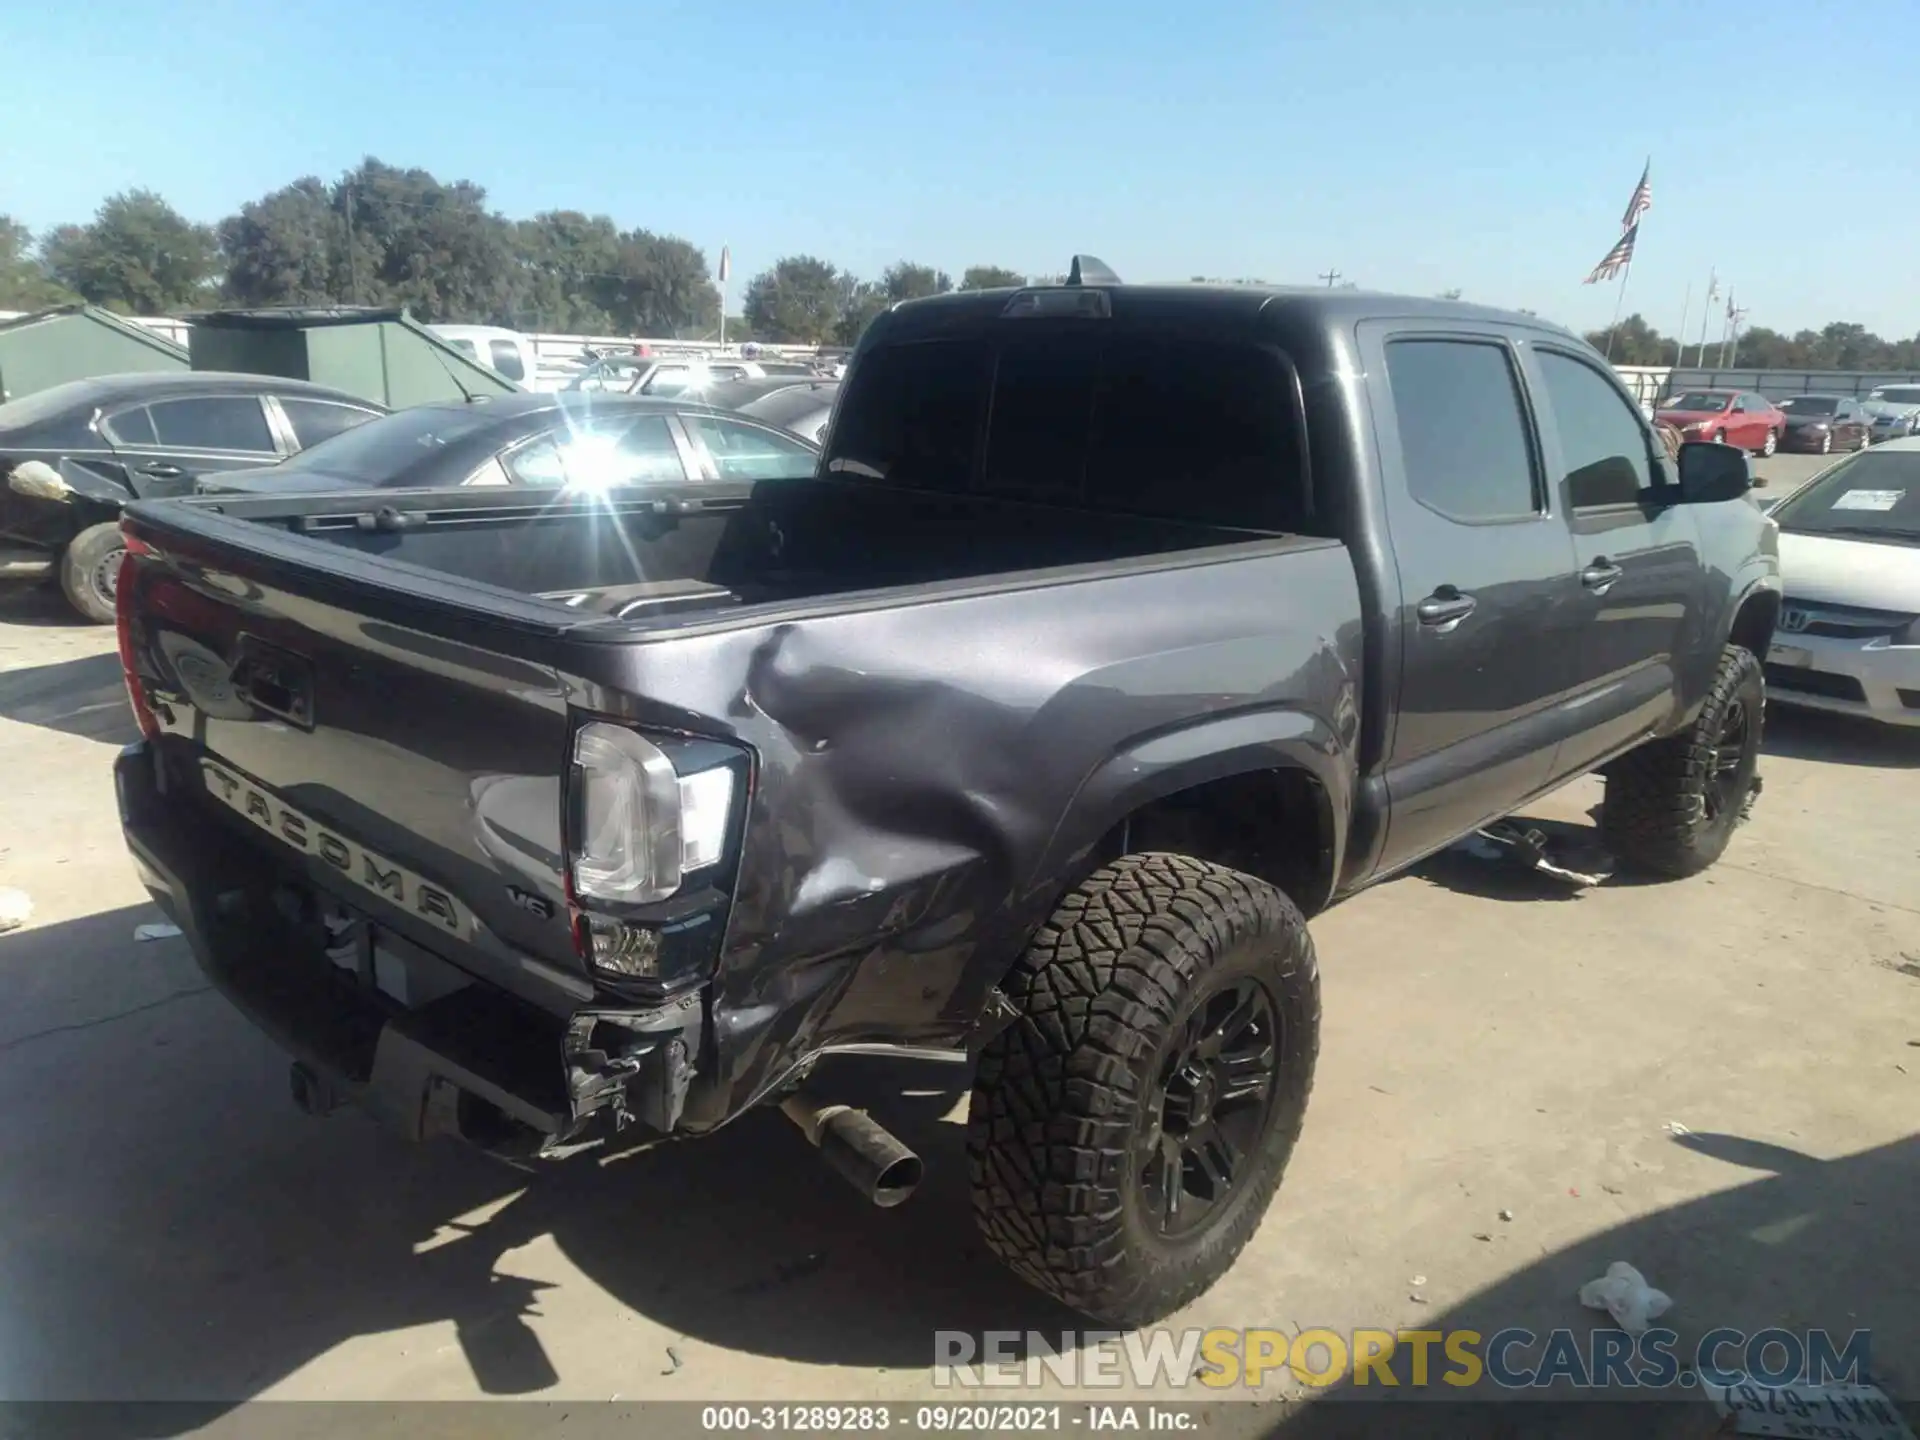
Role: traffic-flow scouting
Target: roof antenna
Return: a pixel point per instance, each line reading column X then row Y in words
column 1086, row 270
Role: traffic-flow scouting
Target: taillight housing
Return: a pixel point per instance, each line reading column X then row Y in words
column 651, row 829
column 125, row 625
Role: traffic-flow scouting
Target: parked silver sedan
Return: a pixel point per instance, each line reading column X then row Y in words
column 1895, row 410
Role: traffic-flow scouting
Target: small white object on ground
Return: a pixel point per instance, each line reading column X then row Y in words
column 16, row 908
column 1506, row 1215
column 161, row 930
column 1623, row 1293
column 1674, row 1127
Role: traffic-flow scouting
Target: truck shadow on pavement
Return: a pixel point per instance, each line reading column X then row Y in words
column 40, row 605
column 84, row 697
column 177, row 1231
column 1804, row 735
column 1797, row 1243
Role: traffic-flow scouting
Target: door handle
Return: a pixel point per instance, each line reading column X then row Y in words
column 1445, row 608
column 162, row 471
column 1600, row 575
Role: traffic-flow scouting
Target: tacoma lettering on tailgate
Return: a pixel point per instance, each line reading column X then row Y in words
column 353, row 861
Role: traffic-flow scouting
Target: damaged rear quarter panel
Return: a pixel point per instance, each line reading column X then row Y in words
column 932, row 775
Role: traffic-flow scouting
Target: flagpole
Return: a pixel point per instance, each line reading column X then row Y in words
column 1686, row 313
column 1618, row 301
column 1706, row 318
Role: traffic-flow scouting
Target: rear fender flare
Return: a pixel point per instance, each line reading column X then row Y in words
column 1155, row 766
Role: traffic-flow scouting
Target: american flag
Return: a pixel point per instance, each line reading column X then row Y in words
column 1617, row 259
column 1732, row 314
column 1642, row 200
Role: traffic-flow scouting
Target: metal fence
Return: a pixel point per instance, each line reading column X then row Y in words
column 1779, row 384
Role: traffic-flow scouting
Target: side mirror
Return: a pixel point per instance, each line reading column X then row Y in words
column 1711, row 473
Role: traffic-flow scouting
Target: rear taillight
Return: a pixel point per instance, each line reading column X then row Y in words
column 638, row 830
column 123, row 616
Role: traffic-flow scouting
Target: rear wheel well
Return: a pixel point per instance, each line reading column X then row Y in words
column 1273, row 824
column 1753, row 627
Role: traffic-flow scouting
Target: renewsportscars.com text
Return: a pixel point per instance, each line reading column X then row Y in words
column 1512, row 1359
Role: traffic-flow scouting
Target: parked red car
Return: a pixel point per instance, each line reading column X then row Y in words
column 1729, row 417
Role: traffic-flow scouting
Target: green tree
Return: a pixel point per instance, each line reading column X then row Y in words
column 662, row 286
column 864, row 301
column 139, row 256
column 990, row 277
column 24, row 282
column 433, row 247
column 908, row 281
column 569, row 266
column 1635, row 342
column 289, row 248
column 800, row 300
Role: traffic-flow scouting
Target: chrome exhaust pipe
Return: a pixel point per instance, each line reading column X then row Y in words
column 856, row 1145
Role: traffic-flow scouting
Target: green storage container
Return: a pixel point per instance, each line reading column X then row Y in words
column 379, row 354
column 77, row 342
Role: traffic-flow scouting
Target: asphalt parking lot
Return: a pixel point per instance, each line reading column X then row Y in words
column 1716, row 1080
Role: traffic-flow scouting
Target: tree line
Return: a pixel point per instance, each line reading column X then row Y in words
column 382, row 235
column 1840, row 345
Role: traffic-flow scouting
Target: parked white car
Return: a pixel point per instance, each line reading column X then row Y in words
column 1849, row 633
column 507, row 351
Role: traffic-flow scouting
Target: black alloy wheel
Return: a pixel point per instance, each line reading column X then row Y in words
column 1210, row 1106
column 1729, row 781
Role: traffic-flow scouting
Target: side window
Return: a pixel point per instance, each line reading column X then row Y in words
column 1463, row 433
column 642, row 454
column 465, row 347
column 668, row 380
column 130, row 427
column 746, row 452
column 490, row 473
column 1602, row 441
column 506, row 359
column 213, row 422
column 317, row 420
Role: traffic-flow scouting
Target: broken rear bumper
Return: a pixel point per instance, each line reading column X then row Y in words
column 478, row 1064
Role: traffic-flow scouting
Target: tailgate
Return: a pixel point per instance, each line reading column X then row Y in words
column 370, row 723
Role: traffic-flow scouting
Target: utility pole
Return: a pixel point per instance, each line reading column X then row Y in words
column 1706, row 318
column 353, row 265
column 1330, row 276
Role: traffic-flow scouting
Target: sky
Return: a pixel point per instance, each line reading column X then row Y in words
column 1482, row 145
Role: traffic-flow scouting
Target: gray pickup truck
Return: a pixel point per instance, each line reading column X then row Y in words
column 1120, row 628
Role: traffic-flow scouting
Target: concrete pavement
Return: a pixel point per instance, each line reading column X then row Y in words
column 173, row 1229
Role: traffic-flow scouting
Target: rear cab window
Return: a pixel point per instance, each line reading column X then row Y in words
column 506, row 359
column 1463, row 429
column 1114, row 420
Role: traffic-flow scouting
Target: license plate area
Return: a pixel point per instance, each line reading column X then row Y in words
column 1797, row 657
column 379, row 960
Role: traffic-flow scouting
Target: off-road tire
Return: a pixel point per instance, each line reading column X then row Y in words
column 1655, row 815
column 1061, row 1096
column 81, row 564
